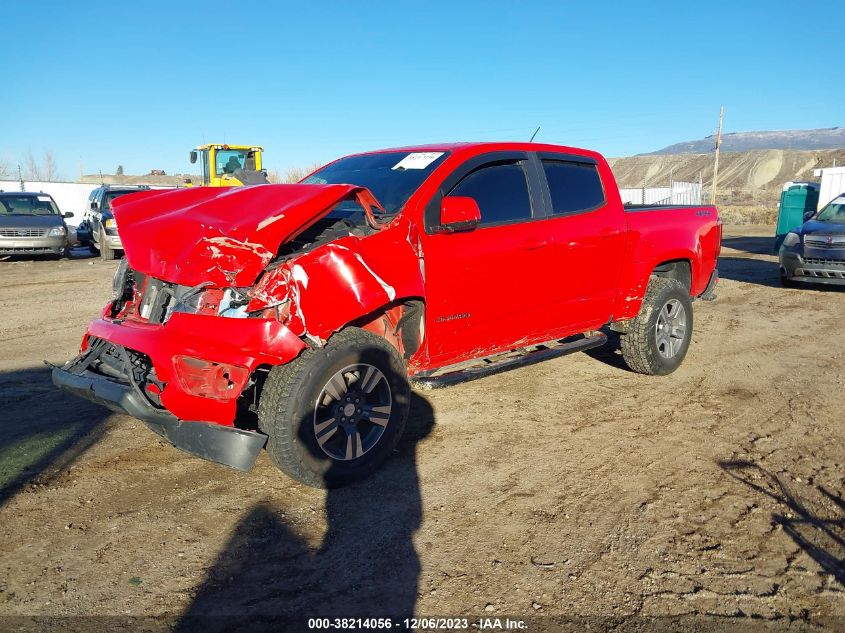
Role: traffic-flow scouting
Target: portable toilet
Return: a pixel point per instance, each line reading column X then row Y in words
column 798, row 200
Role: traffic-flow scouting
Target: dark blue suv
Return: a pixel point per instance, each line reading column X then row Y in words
column 98, row 229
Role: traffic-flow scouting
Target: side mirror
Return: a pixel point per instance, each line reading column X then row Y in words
column 808, row 215
column 193, row 156
column 67, row 214
column 459, row 213
column 93, row 206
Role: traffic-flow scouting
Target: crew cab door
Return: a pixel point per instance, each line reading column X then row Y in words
column 586, row 231
column 484, row 286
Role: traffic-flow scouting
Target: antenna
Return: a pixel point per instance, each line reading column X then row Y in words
column 101, row 177
column 531, row 140
column 20, row 177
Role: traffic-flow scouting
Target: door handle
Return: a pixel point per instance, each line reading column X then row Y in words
column 533, row 243
column 606, row 233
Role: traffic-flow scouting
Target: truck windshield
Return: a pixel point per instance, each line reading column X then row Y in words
column 390, row 176
column 833, row 212
column 28, row 205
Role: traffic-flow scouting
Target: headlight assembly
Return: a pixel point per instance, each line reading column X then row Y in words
column 791, row 239
column 57, row 231
column 110, row 224
column 120, row 281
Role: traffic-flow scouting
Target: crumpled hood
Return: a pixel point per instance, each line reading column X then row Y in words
column 223, row 235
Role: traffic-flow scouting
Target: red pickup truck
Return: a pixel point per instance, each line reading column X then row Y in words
column 297, row 316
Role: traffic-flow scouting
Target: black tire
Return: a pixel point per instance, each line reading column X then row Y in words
column 106, row 251
column 93, row 248
column 647, row 352
column 289, row 409
column 786, row 282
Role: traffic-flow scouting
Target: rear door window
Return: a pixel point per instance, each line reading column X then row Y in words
column 501, row 191
column 574, row 187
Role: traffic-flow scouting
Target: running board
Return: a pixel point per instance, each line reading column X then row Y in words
column 451, row 375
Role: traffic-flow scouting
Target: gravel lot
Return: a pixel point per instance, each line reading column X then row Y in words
column 570, row 488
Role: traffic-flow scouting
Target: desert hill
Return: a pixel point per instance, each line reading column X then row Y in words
column 823, row 138
column 749, row 182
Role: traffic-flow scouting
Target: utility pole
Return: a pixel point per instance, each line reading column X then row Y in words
column 716, row 164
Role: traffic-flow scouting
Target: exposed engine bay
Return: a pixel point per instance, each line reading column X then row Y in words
column 352, row 221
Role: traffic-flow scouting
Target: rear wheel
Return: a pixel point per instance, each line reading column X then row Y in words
column 335, row 414
column 659, row 336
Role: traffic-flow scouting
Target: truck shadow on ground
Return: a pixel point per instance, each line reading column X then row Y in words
column 815, row 521
column 751, row 244
column 42, row 430
column 268, row 578
column 611, row 352
column 763, row 273
column 750, row 271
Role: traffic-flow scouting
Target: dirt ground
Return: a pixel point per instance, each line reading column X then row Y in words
column 568, row 489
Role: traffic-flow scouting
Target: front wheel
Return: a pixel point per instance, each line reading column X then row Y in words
column 106, row 251
column 659, row 336
column 335, row 414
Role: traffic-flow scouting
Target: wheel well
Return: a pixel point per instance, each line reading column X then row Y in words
column 678, row 269
column 400, row 323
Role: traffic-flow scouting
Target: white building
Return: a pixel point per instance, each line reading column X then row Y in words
column 832, row 184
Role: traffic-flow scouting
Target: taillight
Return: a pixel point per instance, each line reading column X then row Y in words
column 220, row 381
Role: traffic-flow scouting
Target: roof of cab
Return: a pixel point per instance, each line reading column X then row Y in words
column 477, row 147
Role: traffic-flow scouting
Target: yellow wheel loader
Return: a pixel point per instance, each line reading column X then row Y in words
column 229, row 165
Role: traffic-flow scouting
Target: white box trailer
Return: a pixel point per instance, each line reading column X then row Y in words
column 832, row 183
column 69, row 196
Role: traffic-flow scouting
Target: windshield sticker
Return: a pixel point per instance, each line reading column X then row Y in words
column 417, row 160
column 45, row 198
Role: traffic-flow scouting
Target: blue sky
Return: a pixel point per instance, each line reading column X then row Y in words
column 141, row 83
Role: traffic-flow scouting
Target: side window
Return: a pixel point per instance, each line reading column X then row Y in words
column 574, row 186
column 501, row 191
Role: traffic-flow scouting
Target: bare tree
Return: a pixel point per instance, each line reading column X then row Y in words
column 45, row 171
column 291, row 174
column 31, row 169
column 50, row 170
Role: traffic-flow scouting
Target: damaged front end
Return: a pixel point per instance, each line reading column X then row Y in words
column 217, row 287
column 125, row 381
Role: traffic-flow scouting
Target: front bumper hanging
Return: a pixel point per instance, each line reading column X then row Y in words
column 225, row 445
